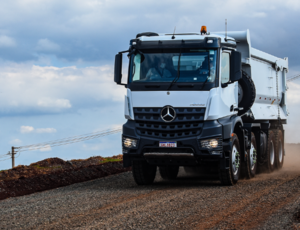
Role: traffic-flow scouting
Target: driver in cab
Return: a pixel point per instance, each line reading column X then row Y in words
column 159, row 71
column 208, row 68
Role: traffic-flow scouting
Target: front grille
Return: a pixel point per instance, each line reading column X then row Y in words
column 188, row 122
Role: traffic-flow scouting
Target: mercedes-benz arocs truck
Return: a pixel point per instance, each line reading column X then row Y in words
column 202, row 100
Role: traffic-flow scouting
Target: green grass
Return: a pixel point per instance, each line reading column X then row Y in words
column 39, row 167
column 110, row 160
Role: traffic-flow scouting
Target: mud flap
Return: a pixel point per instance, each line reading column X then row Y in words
column 224, row 161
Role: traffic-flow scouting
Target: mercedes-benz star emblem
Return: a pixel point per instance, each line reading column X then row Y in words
column 168, row 113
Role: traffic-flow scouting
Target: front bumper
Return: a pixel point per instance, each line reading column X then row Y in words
column 188, row 151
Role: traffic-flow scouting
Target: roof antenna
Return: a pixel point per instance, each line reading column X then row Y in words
column 173, row 37
column 225, row 30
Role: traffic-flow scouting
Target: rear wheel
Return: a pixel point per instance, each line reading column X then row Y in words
column 279, row 150
column 271, row 152
column 231, row 175
column 169, row 172
column 251, row 164
column 143, row 173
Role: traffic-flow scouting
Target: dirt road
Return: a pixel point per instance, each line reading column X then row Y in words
column 269, row 201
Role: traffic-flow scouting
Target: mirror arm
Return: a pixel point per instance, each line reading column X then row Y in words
column 223, row 85
column 126, row 51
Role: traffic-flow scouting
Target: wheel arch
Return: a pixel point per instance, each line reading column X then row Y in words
column 230, row 125
column 238, row 130
column 234, row 124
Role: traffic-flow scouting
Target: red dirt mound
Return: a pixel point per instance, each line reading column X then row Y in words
column 87, row 162
column 55, row 172
column 50, row 162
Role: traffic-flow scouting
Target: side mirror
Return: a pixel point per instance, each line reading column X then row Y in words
column 118, row 68
column 235, row 66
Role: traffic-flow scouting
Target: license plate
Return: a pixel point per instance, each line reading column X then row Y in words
column 172, row 144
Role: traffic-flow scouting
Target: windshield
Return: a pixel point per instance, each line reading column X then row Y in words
column 195, row 65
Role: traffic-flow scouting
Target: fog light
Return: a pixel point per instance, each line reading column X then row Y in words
column 129, row 143
column 209, row 144
column 213, row 143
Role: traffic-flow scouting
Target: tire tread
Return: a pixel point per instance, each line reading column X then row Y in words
column 250, row 90
column 143, row 173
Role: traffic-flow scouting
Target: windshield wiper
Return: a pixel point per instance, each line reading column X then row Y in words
column 204, row 82
column 178, row 72
column 185, row 86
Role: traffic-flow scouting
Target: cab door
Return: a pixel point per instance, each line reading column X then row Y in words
column 228, row 90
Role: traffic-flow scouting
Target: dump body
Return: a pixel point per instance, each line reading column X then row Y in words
column 263, row 69
column 265, row 77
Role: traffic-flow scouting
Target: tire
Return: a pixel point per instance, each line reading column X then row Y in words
column 271, row 152
column 231, row 175
column 279, row 150
column 168, row 172
column 247, row 93
column 143, row 173
column 250, row 166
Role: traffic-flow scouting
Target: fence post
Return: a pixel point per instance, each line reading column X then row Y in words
column 13, row 156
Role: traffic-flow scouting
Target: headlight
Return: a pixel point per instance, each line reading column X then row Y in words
column 209, row 144
column 129, row 143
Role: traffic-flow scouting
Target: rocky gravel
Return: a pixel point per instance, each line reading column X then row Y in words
column 268, row 201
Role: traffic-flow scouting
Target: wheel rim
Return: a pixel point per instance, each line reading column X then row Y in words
column 235, row 160
column 280, row 152
column 272, row 153
column 253, row 156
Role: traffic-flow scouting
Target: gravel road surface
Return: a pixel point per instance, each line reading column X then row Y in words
column 269, row 201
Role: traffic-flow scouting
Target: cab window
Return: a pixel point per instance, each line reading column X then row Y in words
column 225, row 68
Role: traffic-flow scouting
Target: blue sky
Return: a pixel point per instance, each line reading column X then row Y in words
column 56, row 62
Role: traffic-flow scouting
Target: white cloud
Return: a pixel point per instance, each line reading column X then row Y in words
column 47, row 45
column 36, row 89
column 6, row 41
column 258, row 15
column 46, row 148
column 30, row 129
column 293, row 94
column 46, row 130
column 26, row 129
column 54, row 103
column 16, row 142
column 293, row 4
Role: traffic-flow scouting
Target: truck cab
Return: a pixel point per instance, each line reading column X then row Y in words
column 188, row 103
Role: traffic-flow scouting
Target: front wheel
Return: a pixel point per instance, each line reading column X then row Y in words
column 231, row 175
column 143, row 173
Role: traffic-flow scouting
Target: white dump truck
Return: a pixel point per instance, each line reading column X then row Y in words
column 204, row 101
